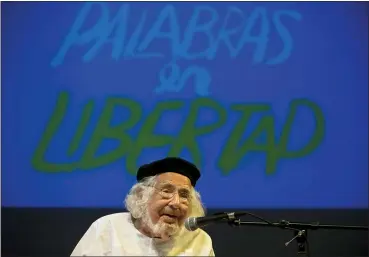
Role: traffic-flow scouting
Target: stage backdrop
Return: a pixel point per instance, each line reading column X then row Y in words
column 268, row 99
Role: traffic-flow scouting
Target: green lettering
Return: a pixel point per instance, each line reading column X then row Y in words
column 315, row 140
column 87, row 112
column 189, row 132
column 104, row 130
column 147, row 137
column 38, row 161
column 232, row 153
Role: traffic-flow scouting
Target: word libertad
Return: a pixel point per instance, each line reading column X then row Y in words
column 138, row 133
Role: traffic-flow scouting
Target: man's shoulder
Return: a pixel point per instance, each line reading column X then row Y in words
column 114, row 218
column 203, row 236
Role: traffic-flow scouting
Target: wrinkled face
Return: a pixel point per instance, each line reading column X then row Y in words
column 170, row 203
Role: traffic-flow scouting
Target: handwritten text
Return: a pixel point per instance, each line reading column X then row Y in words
column 131, row 147
column 205, row 20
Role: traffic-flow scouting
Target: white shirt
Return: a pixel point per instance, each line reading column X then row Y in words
column 115, row 235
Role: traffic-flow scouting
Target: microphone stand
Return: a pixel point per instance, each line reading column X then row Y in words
column 299, row 229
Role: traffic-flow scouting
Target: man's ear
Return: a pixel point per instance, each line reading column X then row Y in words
column 139, row 192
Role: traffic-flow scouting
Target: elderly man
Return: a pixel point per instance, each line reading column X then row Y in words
column 154, row 226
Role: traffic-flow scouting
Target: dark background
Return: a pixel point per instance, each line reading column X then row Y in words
column 55, row 232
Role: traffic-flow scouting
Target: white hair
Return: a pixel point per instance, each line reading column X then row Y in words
column 139, row 195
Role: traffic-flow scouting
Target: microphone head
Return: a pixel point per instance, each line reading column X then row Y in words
column 191, row 224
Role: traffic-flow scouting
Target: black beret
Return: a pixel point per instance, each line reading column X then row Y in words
column 170, row 164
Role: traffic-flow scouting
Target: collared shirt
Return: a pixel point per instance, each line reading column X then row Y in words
column 115, row 235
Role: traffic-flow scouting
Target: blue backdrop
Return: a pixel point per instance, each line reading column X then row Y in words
column 269, row 99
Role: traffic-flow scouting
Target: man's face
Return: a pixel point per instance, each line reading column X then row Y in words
column 170, row 202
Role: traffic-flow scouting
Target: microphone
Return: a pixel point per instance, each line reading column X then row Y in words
column 193, row 223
